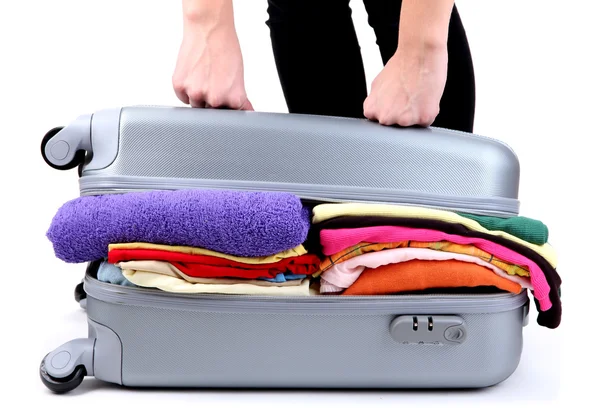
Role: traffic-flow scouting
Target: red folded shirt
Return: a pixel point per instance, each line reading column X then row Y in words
column 214, row 267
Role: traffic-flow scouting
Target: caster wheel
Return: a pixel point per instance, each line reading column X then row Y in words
column 79, row 292
column 78, row 159
column 62, row 385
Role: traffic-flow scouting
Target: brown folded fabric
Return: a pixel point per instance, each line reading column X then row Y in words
column 421, row 275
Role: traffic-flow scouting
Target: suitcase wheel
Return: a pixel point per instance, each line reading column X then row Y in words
column 78, row 159
column 63, row 369
column 62, row 385
column 80, row 294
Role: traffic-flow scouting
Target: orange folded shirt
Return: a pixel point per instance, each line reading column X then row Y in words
column 421, row 275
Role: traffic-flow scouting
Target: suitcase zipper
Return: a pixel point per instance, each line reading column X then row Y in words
column 319, row 304
column 490, row 206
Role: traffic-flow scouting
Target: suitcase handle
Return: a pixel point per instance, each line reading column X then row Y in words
column 65, row 148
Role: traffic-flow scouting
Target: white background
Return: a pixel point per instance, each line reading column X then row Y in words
column 537, row 89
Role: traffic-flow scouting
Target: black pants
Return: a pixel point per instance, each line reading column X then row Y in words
column 320, row 66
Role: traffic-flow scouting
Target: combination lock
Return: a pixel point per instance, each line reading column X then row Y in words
column 430, row 330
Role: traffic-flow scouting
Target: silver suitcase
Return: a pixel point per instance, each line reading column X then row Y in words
column 144, row 337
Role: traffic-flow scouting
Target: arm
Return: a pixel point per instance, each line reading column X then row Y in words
column 208, row 12
column 424, row 24
column 209, row 70
column 409, row 88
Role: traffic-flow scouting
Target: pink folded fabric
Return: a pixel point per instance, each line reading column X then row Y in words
column 344, row 274
column 335, row 240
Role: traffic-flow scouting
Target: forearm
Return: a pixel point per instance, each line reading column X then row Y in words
column 424, row 23
column 208, row 14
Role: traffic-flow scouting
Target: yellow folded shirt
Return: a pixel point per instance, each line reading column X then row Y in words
column 178, row 285
column 324, row 212
column 190, row 250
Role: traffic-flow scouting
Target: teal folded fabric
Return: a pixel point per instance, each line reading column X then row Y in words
column 113, row 275
column 530, row 230
column 283, row 278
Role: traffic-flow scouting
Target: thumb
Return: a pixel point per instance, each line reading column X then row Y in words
column 247, row 106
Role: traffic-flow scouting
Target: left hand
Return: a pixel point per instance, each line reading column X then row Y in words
column 408, row 90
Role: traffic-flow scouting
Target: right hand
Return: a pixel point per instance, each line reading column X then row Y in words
column 210, row 70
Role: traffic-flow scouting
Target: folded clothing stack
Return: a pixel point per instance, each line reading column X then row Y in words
column 375, row 249
column 235, row 242
column 191, row 241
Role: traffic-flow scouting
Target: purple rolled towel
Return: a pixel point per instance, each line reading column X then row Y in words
column 234, row 222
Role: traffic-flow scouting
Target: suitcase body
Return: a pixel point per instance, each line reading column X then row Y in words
column 145, row 337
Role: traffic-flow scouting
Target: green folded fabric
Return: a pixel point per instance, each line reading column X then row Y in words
column 530, row 230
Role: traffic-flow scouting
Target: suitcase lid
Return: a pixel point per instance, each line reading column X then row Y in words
column 320, row 158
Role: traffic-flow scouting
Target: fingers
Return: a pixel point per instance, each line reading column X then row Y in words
column 180, row 91
column 198, row 98
column 369, row 110
column 394, row 114
column 428, row 116
column 197, row 104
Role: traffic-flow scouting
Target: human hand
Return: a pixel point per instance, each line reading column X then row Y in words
column 408, row 90
column 209, row 70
